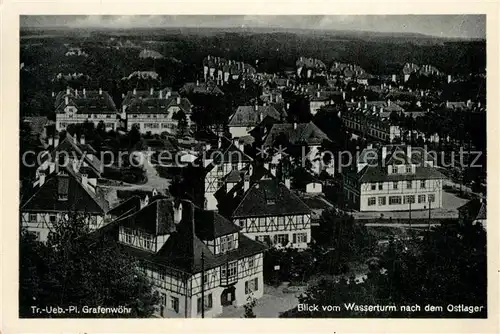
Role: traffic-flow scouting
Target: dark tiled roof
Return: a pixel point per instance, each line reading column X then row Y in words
column 304, row 132
column 157, row 105
column 79, row 198
column 227, row 153
column 269, row 198
column 201, row 88
column 250, row 116
column 90, row 103
column 396, row 155
column 211, row 225
column 155, row 218
column 130, row 205
column 76, row 150
column 474, row 209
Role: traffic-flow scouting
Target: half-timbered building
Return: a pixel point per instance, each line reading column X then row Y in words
column 198, row 260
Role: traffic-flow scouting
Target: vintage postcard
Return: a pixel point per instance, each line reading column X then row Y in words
column 179, row 165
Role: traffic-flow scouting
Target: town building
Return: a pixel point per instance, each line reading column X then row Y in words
column 309, row 67
column 473, row 212
column 156, row 111
column 372, row 119
column 306, row 136
column 267, row 210
column 61, row 196
column 76, row 107
column 198, row 260
column 225, row 69
column 210, row 88
column 246, row 118
column 393, row 178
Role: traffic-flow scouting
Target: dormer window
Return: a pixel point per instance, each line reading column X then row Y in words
column 394, row 169
column 408, row 169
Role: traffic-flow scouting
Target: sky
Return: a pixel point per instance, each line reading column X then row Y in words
column 450, row 26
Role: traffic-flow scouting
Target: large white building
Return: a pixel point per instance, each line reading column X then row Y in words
column 393, row 178
column 182, row 248
column 76, row 107
column 156, row 111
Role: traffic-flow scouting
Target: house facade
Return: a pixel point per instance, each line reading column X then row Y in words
column 267, row 210
column 246, row 118
column 156, row 111
column 76, row 107
column 197, row 260
column 393, row 178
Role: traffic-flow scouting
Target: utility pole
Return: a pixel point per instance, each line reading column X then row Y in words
column 202, row 284
column 409, row 213
column 429, row 227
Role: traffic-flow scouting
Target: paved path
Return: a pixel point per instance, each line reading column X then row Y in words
column 274, row 302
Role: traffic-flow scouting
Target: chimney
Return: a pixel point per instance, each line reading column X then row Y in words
column 123, row 95
column 197, row 82
column 177, row 213
column 389, row 102
column 287, row 106
column 374, row 108
column 53, row 94
column 168, row 94
column 295, row 125
column 82, row 139
column 178, row 100
column 66, row 100
column 56, row 141
column 151, row 91
column 85, row 180
column 76, row 92
column 41, row 179
column 343, row 95
column 219, row 142
column 261, row 116
column 449, row 78
column 447, row 104
column 384, row 152
column 287, row 182
column 100, row 91
column 51, row 141
column 256, row 107
column 188, row 216
column 84, row 93
column 67, row 91
column 318, row 93
column 408, row 151
column 246, row 182
column 145, row 201
column 161, row 94
column 370, row 146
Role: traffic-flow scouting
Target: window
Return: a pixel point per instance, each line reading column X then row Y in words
column 395, row 185
column 422, row 184
column 32, row 217
column 421, row 198
column 174, row 304
column 148, row 242
column 432, row 198
column 409, row 199
column 163, row 299
column 381, row 200
column 394, row 169
column 52, row 218
column 408, row 184
column 372, row 201
column 162, row 275
column 394, row 200
column 206, row 279
column 207, row 301
column 374, row 186
column 281, row 239
column 251, row 262
column 242, row 223
column 229, row 271
column 380, row 186
column 251, row 285
column 227, row 243
column 299, row 237
column 93, row 220
column 408, row 169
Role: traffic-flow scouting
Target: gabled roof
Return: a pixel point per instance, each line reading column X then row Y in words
column 307, row 133
column 184, row 248
column 79, row 197
column 268, row 197
column 375, row 171
column 211, row 225
column 92, row 102
column 227, row 153
column 157, row 105
column 201, row 88
column 250, row 115
column 155, row 218
column 70, row 145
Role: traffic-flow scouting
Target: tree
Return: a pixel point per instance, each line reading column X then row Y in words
column 73, row 269
column 249, row 306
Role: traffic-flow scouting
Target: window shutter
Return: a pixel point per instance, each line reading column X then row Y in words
column 246, row 287
column 256, row 284
column 199, row 305
column 294, row 238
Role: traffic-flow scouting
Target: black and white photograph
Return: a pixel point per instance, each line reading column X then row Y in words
column 252, row 166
